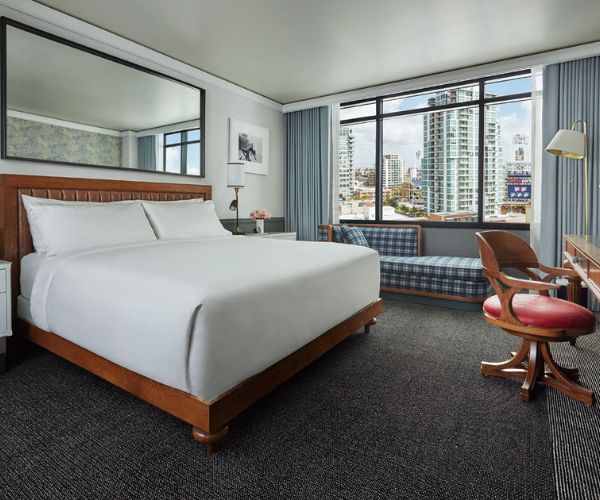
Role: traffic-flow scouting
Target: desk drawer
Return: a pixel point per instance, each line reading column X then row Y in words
column 593, row 273
column 580, row 260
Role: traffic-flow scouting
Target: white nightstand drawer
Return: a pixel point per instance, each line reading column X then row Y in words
column 3, row 315
column 2, row 280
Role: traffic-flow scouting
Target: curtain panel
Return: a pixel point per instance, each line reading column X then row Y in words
column 147, row 152
column 308, row 172
column 571, row 92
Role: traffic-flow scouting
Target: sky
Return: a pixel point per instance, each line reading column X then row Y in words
column 404, row 135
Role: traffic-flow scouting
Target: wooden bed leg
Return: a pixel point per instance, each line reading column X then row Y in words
column 369, row 324
column 210, row 440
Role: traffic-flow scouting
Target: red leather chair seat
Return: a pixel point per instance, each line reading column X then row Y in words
column 544, row 312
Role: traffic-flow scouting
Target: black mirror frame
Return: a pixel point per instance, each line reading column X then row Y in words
column 5, row 21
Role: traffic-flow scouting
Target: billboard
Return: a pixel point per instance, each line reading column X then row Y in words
column 518, row 186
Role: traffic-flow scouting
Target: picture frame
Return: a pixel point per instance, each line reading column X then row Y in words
column 249, row 144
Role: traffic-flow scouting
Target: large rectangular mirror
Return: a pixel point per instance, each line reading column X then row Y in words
column 65, row 103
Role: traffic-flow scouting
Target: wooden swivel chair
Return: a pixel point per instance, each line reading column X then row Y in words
column 537, row 318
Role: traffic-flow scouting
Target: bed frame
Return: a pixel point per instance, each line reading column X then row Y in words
column 209, row 419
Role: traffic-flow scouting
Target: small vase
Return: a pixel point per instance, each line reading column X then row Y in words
column 260, row 226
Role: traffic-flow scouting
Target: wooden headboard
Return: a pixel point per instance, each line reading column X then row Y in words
column 15, row 240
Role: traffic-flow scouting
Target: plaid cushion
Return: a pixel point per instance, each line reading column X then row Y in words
column 402, row 241
column 354, row 236
column 458, row 288
column 336, row 234
column 457, row 268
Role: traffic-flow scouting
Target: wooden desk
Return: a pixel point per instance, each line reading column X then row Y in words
column 583, row 255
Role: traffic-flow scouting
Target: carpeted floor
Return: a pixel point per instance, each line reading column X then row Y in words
column 400, row 413
column 575, row 428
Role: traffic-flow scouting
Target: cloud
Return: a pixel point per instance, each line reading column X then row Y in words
column 514, row 118
column 401, row 136
column 404, row 135
column 364, row 145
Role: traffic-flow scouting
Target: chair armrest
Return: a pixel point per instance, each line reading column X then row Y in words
column 527, row 284
column 558, row 271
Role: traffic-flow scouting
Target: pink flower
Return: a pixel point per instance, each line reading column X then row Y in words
column 260, row 213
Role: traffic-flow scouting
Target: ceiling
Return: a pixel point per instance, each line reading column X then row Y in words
column 290, row 50
column 53, row 80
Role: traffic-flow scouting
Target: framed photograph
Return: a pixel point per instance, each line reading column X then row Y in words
column 249, row 144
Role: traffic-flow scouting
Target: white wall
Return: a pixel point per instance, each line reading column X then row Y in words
column 223, row 101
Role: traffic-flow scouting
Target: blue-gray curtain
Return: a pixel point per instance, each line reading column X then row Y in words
column 307, row 173
column 147, row 152
column 571, row 92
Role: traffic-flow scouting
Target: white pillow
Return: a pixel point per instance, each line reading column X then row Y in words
column 30, row 201
column 59, row 227
column 184, row 219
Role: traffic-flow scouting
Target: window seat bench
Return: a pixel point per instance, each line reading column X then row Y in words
column 404, row 270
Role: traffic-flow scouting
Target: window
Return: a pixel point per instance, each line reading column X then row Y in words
column 356, row 172
column 457, row 153
column 182, row 152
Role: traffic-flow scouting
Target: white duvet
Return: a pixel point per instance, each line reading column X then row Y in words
column 202, row 315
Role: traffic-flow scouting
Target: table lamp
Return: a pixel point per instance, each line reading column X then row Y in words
column 236, row 179
column 574, row 144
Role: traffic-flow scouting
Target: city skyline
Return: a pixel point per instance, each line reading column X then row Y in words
column 429, row 159
column 404, row 135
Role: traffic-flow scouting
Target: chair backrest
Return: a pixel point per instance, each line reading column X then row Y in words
column 501, row 249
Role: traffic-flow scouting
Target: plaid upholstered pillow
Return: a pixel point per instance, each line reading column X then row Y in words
column 336, row 234
column 354, row 236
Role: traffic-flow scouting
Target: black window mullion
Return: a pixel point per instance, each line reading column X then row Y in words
column 183, row 145
column 379, row 160
column 183, row 155
column 481, row 155
column 481, row 102
column 508, row 98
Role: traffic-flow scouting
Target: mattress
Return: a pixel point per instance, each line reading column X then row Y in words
column 202, row 315
column 24, row 308
column 30, row 265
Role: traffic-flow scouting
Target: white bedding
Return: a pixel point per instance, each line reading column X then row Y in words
column 202, row 315
column 30, row 265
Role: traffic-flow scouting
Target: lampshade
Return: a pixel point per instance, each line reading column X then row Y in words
column 568, row 144
column 236, row 175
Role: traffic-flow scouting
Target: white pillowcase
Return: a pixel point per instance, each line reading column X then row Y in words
column 184, row 219
column 59, row 226
column 30, row 202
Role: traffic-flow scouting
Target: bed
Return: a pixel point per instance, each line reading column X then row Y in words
column 210, row 325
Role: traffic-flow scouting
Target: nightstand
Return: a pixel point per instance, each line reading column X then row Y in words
column 276, row 236
column 5, row 311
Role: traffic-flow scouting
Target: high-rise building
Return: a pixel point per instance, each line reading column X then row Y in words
column 371, row 178
column 393, row 171
column 346, row 163
column 520, row 148
column 417, row 173
column 449, row 166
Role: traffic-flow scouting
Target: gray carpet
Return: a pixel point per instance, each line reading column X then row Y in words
column 400, row 413
column 575, row 428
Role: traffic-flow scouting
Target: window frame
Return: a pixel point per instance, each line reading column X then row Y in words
column 183, row 142
column 481, row 102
